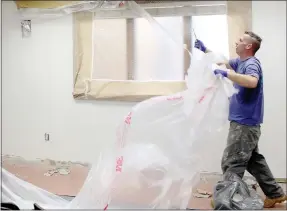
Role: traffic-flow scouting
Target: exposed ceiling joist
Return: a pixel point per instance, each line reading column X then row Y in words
column 44, row 4
column 145, row 4
column 45, row 10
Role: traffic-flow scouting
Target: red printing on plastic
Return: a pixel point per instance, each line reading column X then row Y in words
column 128, row 118
column 120, row 139
column 119, row 164
column 119, row 161
column 206, row 90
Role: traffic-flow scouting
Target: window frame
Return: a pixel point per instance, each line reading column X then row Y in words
column 86, row 88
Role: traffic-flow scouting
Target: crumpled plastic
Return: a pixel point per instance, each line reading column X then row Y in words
column 78, row 6
column 155, row 161
column 234, row 194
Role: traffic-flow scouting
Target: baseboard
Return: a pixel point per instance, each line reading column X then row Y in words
column 279, row 180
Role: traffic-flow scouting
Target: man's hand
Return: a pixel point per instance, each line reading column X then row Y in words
column 246, row 81
column 199, row 45
column 220, row 72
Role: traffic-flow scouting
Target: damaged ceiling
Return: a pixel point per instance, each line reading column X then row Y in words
column 43, row 4
column 55, row 4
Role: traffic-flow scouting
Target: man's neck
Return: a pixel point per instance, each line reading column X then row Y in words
column 245, row 56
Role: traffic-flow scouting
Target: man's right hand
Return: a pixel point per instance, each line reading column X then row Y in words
column 200, row 45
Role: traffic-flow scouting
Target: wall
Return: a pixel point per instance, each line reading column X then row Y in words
column 37, row 95
column 269, row 21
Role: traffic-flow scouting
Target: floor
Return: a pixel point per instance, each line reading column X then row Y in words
column 69, row 182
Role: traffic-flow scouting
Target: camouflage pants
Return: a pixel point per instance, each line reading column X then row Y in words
column 242, row 154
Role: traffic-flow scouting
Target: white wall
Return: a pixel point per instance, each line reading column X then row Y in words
column 269, row 21
column 37, row 95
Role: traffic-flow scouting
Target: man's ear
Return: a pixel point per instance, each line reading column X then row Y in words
column 249, row 46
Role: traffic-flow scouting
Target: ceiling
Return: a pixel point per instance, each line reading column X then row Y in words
column 55, row 4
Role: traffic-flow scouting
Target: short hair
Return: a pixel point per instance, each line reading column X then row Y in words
column 256, row 40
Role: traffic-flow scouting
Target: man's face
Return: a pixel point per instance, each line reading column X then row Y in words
column 243, row 44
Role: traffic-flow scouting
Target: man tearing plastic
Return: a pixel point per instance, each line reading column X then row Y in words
column 246, row 115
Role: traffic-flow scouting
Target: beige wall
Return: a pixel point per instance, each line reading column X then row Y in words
column 239, row 19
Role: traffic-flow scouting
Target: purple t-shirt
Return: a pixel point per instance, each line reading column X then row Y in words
column 247, row 107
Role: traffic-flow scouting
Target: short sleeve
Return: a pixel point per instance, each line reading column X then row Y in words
column 253, row 70
column 234, row 63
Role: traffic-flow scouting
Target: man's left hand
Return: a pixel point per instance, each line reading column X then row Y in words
column 220, row 72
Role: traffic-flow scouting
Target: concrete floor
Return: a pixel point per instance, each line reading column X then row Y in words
column 70, row 184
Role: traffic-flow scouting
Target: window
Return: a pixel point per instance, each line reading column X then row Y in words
column 156, row 57
column 213, row 31
column 111, row 47
column 133, row 49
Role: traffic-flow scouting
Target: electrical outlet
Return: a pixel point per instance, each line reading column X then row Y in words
column 47, row 137
column 26, row 28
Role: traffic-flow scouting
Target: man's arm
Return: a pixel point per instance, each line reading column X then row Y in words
column 231, row 64
column 249, row 79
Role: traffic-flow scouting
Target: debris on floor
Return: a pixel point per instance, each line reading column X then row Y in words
column 202, row 194
column 51, row 172
column 64, row 171
column 60, row 170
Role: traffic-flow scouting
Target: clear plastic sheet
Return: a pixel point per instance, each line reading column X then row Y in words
column 78, row 6
column 155, row 161
column 24, row 194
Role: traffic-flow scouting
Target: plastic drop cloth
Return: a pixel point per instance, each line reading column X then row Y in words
column 156, row 158
column 155, row 161
column 57, row 12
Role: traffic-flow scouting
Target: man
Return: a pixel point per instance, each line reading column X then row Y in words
column 245, row 116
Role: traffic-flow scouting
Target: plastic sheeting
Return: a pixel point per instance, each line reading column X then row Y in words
column 63, row 9
column 233, row 194
column 154, row 162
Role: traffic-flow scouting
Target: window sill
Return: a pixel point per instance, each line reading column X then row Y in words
column 132, row 91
